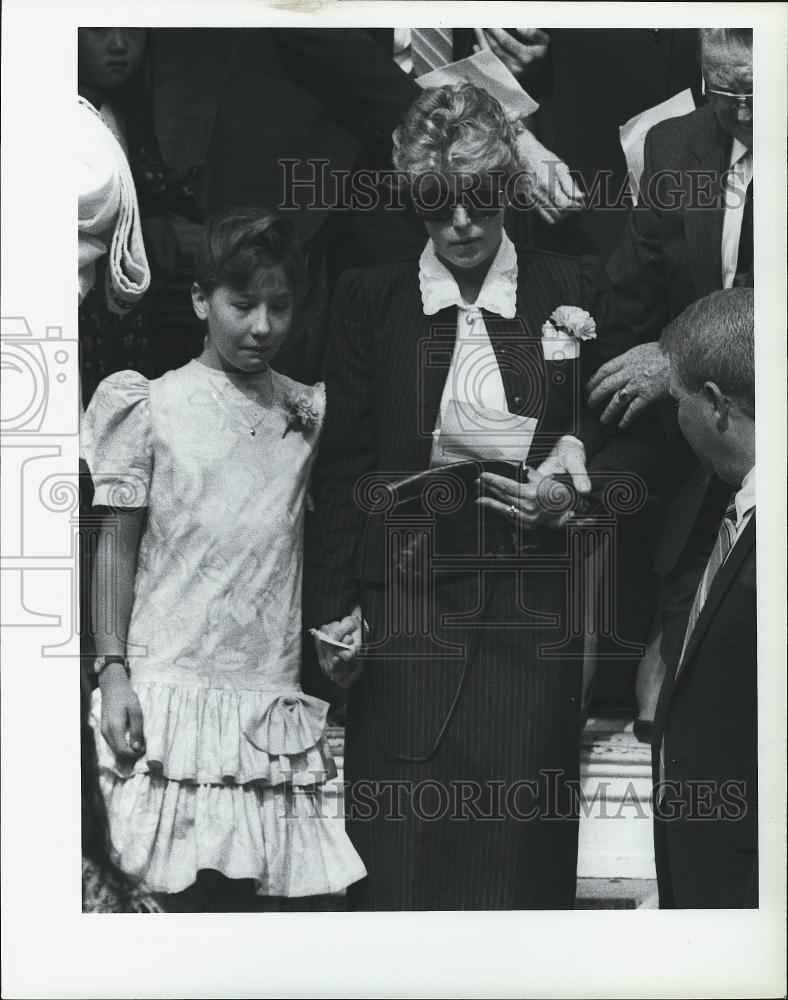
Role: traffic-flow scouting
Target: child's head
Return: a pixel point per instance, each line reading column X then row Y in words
column 249, row 269
column 107, row 58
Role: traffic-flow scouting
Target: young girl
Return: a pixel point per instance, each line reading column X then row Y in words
column 211, row 756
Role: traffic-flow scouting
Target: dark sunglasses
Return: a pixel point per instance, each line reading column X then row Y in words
column 434, row 197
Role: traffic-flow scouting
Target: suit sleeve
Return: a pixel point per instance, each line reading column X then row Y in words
column 642, row 447
column 353, row 75
column 637, row 267
column 613, row 337
column 347, row 450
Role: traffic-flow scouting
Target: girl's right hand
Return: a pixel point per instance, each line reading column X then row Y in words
column 121, row 714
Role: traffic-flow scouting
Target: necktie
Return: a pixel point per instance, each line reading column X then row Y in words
column 744, row 260
column 431, row 48
column 722, row 546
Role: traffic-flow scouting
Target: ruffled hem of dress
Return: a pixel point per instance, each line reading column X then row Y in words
column 290, row 842
column 225, row 736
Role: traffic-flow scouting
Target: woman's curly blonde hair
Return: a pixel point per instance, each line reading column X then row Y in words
column 455, row 129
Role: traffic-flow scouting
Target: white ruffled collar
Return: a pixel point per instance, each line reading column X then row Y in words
column 498, row 293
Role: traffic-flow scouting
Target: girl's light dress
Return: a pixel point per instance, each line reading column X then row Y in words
column 235, row 755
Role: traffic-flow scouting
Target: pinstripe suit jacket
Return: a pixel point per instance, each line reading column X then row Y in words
column 386, row 366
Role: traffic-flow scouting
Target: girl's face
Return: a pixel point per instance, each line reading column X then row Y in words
column 245, row 328
column 109, row 57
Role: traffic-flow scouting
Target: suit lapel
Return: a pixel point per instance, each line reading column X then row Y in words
column 703, row 225
column 432, row 354
column 536, row 387
column 719, row 588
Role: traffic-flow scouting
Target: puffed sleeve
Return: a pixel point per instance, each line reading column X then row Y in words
column 116, row 441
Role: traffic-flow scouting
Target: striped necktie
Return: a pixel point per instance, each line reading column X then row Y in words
column 722, row 546
column 430, row 48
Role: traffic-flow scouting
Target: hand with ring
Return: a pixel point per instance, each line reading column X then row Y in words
column 541, row 501
column 630, row 383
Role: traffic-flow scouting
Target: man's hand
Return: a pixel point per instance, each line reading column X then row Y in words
column 342, row 666
column 541, row 502
column 522, row 54
column 633, row 381
column 547, row 180
column 121, row 714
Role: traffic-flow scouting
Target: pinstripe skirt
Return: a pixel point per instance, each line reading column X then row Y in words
column 462, row 744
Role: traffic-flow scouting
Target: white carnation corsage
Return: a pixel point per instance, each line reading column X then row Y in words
column 304, row 411
column 563, row 332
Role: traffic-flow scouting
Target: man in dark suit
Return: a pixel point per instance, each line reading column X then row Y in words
column 705, row 730
column 691, row 233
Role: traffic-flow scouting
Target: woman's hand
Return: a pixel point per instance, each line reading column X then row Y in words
column 541, row 502
column 121, row 713
column 632, row 381
column 342, row 666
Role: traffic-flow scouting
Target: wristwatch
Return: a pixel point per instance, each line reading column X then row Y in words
column 104, row 661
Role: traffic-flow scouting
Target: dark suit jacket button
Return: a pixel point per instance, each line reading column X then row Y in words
column 518, row 400
column 657, row 34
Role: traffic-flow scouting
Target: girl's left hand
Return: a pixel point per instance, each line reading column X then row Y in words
column 342, row 666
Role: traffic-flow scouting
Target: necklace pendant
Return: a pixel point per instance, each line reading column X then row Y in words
column 251, row 431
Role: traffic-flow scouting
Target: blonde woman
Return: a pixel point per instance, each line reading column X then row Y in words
column 462, row 729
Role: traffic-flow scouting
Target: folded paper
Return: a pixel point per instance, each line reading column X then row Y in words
column 633, row 133
column 485, row 69
column 473, row 432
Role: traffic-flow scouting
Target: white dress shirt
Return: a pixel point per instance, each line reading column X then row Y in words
column 474, row 379
column 738, row 180
column 745, row 503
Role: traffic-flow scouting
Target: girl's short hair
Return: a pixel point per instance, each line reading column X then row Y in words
column 455, row 129
column 238, row 242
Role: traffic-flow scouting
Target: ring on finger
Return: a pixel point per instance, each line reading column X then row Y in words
column 512, row 511
column 623, row 396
